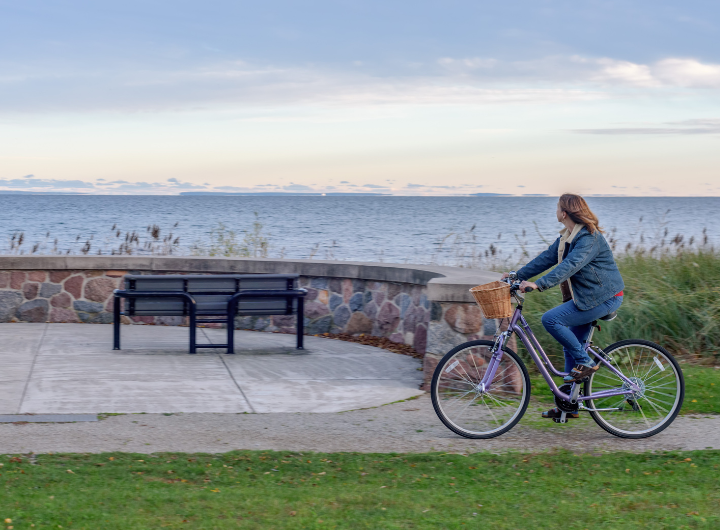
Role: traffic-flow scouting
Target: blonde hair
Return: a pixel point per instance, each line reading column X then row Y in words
column 578, row 210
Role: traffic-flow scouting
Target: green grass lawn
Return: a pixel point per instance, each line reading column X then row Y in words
column 702, row 389
column 252, row 489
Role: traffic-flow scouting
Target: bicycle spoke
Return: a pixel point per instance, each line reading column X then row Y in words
column 659, row 401
column 655, row 392
column 461, row 376
column 457, row 418
column 657, row 408
column 469, row 379
column 666, row 376
column 652, row 403
column 459, row 400
column 666, row 385
column 490, row 411
column 496, row 400
column 644, row 418
column 477, row 371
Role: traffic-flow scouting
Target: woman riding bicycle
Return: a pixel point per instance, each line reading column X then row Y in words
column 589, row 279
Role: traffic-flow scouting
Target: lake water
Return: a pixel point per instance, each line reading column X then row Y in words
column 364, row 228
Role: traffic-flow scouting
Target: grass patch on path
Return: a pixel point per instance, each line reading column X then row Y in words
column 252, row 489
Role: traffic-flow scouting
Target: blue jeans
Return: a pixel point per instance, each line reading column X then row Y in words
column 571, row 327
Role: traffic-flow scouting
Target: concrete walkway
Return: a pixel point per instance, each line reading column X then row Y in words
column 410, row 426
column 196, row 403
column 71, row 368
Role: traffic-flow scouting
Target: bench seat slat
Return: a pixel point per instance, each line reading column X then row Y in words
column 156, row 284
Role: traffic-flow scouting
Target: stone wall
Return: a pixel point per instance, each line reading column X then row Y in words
column 397, row 311
column 425, row 306
column 57, row 296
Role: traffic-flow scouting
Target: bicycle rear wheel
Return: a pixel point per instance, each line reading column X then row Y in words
column 654, row 407
column 467, row 409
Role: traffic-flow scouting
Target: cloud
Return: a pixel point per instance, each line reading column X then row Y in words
column 39, row 88
column 138, row 186
column 232, row 188
column 184, row 185
column 686, row 127
column 344, row 182
column 611, row 71
column 462, row 66
column 52, row 184
column 688, row 73
column 374, row 186
column 238, row 84
column 298, row 187
column 670, row 72
column 685, row 72
column 430, row 187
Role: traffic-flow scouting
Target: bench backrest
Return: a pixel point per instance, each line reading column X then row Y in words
column 211, row 292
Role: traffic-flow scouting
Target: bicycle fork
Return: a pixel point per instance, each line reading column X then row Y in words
column 497, row 353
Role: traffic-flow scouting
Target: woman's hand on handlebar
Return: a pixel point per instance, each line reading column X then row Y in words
column 505, row 275
column 524, row 287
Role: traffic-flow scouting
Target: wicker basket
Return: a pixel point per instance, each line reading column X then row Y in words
column 494, row 299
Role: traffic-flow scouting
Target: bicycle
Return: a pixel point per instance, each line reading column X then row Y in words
column 481, row 389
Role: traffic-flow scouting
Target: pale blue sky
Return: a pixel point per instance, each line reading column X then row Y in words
column 449, row 97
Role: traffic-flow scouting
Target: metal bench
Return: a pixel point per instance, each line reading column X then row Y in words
column 219, row 297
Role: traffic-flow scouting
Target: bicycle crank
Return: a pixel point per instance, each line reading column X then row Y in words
column 563, row 405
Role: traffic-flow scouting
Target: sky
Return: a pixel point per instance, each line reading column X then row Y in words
column 407, row 98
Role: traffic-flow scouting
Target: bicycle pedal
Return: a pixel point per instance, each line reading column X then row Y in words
column 560, row 420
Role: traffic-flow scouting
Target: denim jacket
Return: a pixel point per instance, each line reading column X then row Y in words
column 588, row 265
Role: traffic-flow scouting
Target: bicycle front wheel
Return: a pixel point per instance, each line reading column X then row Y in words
column 661, row 390
column 470, row 410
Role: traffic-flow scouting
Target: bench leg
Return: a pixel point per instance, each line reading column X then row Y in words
column 193, row 332
column 230, row 332
column 300, row 323
column 116, row 323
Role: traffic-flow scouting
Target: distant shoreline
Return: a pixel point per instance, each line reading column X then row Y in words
column 315, row 194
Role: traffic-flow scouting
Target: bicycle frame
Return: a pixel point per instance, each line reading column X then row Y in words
column 519, row 326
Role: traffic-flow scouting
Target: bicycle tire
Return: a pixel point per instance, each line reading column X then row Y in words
column 470, row 434
column 668, row 419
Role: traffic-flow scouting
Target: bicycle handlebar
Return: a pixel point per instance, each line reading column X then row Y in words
column 515, row 284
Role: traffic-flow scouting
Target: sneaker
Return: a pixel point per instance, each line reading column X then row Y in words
column 580, row 372
column 556, row 413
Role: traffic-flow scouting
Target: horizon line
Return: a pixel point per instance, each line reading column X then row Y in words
column 336, row 194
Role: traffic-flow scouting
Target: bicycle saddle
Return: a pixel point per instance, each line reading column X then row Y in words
column 609, row 317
